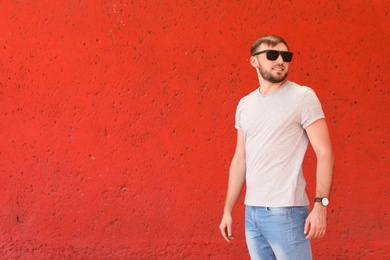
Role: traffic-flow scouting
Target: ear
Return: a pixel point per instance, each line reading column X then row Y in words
column 254, row 62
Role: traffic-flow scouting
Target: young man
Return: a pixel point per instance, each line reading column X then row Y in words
column 274, row 126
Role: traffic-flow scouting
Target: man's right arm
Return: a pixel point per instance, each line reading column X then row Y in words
column 235, row 185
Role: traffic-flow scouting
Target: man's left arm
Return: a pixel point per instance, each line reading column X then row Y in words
column 315, row 226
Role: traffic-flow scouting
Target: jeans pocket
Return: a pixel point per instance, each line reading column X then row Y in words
column 304, row 212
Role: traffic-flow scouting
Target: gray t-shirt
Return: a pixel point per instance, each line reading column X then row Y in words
column 273, row 126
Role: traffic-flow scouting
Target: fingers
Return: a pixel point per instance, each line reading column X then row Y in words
column 226, row 227
column 314, row 231
column 315, row 225
column 315, row 234
column 230, row 233
column 226, row 232
column 307, row 226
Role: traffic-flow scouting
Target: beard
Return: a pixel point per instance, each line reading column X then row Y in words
column 268, row 76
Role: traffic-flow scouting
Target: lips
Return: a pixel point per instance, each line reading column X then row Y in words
column 278, row 68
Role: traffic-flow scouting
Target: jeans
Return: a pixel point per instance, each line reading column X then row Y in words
column 277, row 233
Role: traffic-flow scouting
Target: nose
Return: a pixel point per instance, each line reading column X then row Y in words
column 279, row 59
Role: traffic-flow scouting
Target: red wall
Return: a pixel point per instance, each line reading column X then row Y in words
column 117, row 123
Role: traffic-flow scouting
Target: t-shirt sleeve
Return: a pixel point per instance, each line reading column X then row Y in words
column 311, row 109
column 238, row 117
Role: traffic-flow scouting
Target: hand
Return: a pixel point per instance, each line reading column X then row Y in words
column 226, row 227
column 315, row 226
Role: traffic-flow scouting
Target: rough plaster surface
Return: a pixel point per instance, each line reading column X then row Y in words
column 116, row 123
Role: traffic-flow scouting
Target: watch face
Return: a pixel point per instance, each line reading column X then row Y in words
column 325, row 202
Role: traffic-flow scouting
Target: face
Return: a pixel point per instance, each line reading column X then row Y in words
column 272, row 71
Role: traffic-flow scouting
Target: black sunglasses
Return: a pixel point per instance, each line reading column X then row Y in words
column 274, row 55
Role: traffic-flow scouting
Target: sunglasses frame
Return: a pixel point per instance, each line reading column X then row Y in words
column 281, row 53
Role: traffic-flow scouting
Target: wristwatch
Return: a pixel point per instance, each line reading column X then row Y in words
column 324, row 201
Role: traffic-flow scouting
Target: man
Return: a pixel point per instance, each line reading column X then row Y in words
column 274, row 126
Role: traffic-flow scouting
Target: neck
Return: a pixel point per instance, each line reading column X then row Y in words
column 267, row 87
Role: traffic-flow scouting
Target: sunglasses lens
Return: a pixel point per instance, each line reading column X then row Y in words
column 287, row 56
column 272, row 55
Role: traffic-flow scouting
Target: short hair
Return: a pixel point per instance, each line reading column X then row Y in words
column 271, row 40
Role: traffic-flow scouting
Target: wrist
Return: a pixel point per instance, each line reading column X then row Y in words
column 228, row 210
column 318, row 205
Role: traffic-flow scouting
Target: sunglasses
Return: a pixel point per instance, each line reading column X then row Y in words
column 274, row 55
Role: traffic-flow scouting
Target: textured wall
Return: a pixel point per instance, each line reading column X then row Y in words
column 116, row 122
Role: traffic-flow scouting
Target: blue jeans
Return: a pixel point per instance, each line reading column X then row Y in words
column 277, row 233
